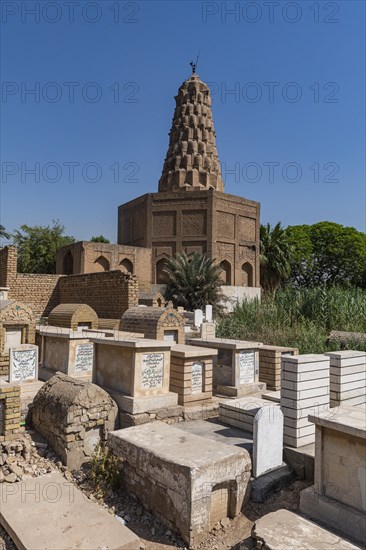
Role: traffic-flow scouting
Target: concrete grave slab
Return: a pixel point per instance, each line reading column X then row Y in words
column 49, row 513
column 284, row 530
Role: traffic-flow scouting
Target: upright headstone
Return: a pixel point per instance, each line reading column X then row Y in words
column 208, row 313
column 267, row 440
column 198, row 317
column 304, row 391
column 23, row 363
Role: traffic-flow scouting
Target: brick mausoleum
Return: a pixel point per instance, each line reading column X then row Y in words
column 190, row 212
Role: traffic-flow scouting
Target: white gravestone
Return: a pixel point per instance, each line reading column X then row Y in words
column 84, row 358
column 198, row 317
column 23, row 363
column 208, row 313
column 267, row 440
column 152, row 370
column 197, row 378
column 246, row 367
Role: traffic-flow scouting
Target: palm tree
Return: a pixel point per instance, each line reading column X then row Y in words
column 3, row 233
column 193, row 282
column 275, row 257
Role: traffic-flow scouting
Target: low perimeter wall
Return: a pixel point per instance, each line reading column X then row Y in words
column 236, row 294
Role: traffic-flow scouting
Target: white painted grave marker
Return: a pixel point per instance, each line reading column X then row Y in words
column 267, row 440
column 198, row 317
column 208, row 313
column 23, row 363
column 152, row 370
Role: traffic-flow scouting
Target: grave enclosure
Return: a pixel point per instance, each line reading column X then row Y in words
column 236, row 366
column 135, row 372
column 191, row 373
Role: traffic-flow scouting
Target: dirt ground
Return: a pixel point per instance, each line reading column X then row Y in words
column 232, row 534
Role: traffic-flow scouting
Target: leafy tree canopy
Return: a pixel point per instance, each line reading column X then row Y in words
column 38, row 245
column 275, row 257
column 100, row 239
column 327, row 253
column 193, row 282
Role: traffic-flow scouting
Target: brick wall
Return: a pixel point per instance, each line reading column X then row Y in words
column 109, row 293
column 10, row 411
column 40, row 292
column 8, row 265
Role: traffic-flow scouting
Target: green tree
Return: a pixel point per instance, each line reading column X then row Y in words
column 100, row 239
column 38, row 245
column 275, row 257
column 193, row 282
column 327, row 253
column 3, row 233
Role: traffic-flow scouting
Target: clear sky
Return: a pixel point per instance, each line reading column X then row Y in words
column 291, row 134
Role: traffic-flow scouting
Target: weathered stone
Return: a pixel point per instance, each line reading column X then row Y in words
column 10, row 478
column 187, row 480
column 72, row 436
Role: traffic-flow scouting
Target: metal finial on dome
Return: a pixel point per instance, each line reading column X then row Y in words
column 194, row 65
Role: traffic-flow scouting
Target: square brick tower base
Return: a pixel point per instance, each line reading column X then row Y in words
column 223, row 226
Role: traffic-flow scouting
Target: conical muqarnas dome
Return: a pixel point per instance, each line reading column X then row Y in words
column 192, row 162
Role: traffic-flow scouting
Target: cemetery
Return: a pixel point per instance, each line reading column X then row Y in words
column 160, row 425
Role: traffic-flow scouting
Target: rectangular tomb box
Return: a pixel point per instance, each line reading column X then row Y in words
column 65, row 350
column 236, row 366
column 270, row 362
column 190, row 482
column 23, row 363
column 338, row 496
column 304, row 390
column 135, row 372
column 347, row 378
column 191, row 373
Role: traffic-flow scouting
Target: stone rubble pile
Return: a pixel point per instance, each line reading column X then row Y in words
column 25, row 456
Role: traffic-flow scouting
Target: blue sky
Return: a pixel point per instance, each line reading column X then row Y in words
column 291, row 135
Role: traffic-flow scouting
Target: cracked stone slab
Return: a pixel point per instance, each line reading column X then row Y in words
column 284, row 530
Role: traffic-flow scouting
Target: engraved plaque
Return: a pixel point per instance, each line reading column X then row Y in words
column 84, row 358
column 246, row 367
column 23, row 363
column 152, row 370
column 197, row 377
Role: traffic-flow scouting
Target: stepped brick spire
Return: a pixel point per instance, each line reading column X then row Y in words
column 192, row 162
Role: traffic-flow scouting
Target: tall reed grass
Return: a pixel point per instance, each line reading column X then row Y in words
column 301, row 318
